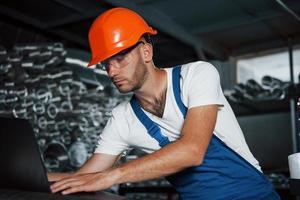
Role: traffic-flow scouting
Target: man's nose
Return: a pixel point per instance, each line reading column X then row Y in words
column 112, row 69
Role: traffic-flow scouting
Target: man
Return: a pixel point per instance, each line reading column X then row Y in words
column 178, row 115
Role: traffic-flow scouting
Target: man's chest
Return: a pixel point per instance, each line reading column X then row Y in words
column 170, row 124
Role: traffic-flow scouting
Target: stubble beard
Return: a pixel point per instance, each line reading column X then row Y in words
column 137, row 80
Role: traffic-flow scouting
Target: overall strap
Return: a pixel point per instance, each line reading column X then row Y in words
column 152, row 128
column 176, row 89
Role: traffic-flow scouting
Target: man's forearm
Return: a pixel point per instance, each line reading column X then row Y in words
column 168, row 160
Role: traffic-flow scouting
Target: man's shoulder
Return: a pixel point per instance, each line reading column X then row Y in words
column 198, row 69
column 198, row 65
column 122, row 108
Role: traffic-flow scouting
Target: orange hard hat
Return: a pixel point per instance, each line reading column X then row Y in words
column 115, row 30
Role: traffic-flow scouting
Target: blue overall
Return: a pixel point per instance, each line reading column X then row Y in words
column 223, row 174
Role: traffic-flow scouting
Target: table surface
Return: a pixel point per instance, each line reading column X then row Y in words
column 11, row 194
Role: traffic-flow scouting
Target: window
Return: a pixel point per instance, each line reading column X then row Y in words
column 275, row 65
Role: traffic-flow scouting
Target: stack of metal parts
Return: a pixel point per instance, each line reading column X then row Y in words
column 148, row 191
column 270, row 89
column 279, row 180
column 66, row 114
column 151, row 196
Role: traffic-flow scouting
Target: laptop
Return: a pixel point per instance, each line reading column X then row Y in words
column 21, row 164
column 22, row 168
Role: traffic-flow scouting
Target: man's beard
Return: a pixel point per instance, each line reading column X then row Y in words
column 140, row 76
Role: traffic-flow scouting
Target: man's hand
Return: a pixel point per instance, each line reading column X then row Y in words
column 53, row 176
column 84, row 183
column 87, row 178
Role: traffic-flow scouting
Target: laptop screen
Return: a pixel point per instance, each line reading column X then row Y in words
column 21, row 163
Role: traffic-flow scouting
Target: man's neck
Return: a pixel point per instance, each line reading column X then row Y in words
column 152, row 95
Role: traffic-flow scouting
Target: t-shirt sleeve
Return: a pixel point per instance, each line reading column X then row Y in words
column 203, row 85
column 112, row 140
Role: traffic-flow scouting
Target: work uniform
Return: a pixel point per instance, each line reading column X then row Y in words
column 229, row 170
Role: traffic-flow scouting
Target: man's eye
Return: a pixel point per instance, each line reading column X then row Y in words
column 119, row 58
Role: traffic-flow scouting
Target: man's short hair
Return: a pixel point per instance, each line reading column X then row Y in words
column 148, row 38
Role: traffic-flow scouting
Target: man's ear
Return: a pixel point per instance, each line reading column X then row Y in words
column 147, row 52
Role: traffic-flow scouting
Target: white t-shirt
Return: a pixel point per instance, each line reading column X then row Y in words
column 200, row 85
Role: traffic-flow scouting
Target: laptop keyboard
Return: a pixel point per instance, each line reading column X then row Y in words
column 23, row 195
column 6, row 194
